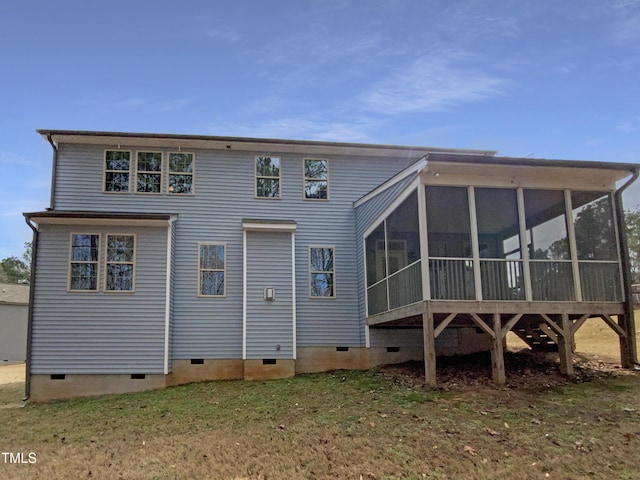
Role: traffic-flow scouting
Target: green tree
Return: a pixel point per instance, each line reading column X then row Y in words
column 632, row 219
column 16, row 270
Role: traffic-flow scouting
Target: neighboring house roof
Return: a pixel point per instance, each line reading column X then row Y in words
column 11, row 294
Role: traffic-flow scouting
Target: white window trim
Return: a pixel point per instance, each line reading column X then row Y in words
column 306, row 179
column 161, row 172
column 105, row 171
column 192, row 173
column 256, row 177
column 311, row 272
column 97, row 262
column 224, row 270
column 107, row 262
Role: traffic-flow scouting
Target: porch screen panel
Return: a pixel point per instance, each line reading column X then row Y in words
column 449, row 238
column 499, row 244
column 548, row 244
column 596, row 246
column 375, row 246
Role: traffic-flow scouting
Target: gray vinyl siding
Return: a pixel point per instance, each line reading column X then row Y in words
column 171, row 294
column 224, row 195
column 269, row 322
column 366, row 215
column 96, row 332
column 13, row 332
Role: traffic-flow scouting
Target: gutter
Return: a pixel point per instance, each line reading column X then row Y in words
column 629, row 322
column 32, row 289
column 54, row 168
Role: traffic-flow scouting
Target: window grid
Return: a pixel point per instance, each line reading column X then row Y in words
column 149, row 172
column 117, row 169
column 268, row 177
column 120, row 263
column 180, row 178
column 322, row 272
column 212, row 266
column 316, row 179
column 84, row 253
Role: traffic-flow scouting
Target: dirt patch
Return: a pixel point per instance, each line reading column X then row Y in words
column 13, row 373
column 525, row 369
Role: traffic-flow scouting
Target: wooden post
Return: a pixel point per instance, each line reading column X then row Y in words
column 497, row 352
column 565, row 341
column 429, row 349
column 627, row 342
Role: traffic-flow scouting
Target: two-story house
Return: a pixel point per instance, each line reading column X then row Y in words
column 166, row 259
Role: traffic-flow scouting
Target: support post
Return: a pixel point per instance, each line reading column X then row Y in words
column 627, row 345
column 564, row 346
column 497, row 352
column 429, row 349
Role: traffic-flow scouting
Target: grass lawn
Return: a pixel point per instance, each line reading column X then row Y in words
column 344, row 425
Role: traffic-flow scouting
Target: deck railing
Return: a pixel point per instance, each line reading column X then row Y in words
column 552, row 280
column 502, row 279
column 451, row 279
column 600, row 281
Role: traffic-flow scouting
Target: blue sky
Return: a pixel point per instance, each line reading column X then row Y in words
column 537, row 78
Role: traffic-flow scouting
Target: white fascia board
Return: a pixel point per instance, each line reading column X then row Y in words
column 416, row 167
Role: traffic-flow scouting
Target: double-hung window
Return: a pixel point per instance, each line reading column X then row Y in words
column 83, row 262
column 316, row 179
column 322, row 272
column 267, row 177
column 149, row 172
column 211, row 270
column 117, row 168
column 180, row 173
column 120, row 265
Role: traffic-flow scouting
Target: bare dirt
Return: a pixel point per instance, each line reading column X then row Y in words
column 12, row 373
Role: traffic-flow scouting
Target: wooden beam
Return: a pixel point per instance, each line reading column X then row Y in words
column 497, row 352
column 414, row 309
column 443, row 324
column 552, row 324
column 578, row 323
column 488, row 330
column 510, row 324
column 564, row 346
column 549, row 332
column 429, row 350
column 614, row 326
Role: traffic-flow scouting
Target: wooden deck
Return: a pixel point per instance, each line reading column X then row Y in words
column 496, row 319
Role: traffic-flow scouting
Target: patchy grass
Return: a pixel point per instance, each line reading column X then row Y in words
column 335, row 425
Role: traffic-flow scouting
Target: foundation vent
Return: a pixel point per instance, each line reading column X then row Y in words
column 138, row 376
column 197, row 361
column 58, row 376
column 268, row 361
column 393, row 349
column 342, row 349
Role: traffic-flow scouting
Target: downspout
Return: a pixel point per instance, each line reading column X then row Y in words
column 32, row 289
column 629, row 326
column 54, row 168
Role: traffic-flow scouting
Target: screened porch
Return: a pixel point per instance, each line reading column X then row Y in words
column 493, row 244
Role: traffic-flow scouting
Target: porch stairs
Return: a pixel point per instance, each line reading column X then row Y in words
column 539, row 337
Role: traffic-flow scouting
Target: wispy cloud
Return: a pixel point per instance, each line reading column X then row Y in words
column 303, row 128
column 226, row 34
column 630, row 125
column 121, row 102
column 431, row 84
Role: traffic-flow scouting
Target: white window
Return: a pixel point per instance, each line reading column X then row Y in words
column 117, row 168
column 84, row 252
column 180, row 173
column 267, row 177
column 212, row 270
column 149, row 172
column 316, row 179
column 119, row 265
column 321, row 272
